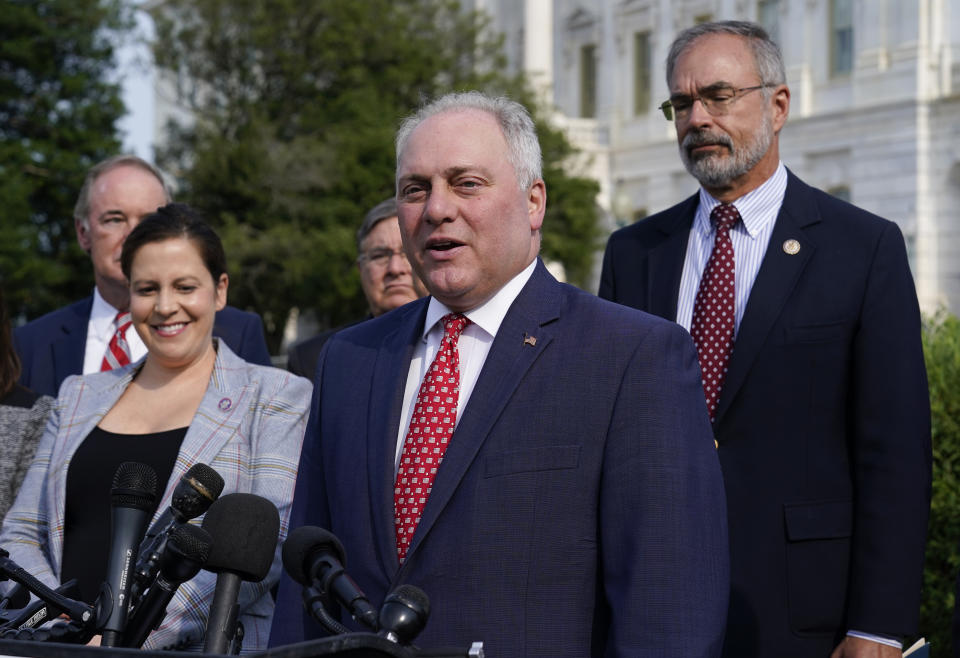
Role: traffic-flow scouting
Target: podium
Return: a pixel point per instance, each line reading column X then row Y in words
column 353, row 645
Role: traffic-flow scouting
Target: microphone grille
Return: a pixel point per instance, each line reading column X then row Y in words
column 134, row 485
column 302, row 543
column 193, row 542
column 413, row 597
column 196, row 491
column 244, row 528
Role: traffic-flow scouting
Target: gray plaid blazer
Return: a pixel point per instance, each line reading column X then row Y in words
column 249, row 428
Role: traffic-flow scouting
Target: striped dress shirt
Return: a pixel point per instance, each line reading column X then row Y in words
column 758, row 210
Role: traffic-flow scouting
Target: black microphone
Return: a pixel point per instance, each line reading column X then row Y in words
column 17, row 596
column 193, row 495
column 132, row 500
column 79, row 611
column 404, row 614
column 244, row 528
column 39, row 612
column 314, row 557
column 185, row 553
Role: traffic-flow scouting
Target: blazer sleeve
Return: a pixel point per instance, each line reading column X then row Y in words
column 663, row 534
column 891, row 449
column 291, row 621
column 26, row 527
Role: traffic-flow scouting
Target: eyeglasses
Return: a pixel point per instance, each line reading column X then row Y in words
column 381, row 256
column 716, row 101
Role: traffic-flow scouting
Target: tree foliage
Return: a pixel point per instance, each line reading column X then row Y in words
column 58, row 110
column 941, row 345
column 296, row 103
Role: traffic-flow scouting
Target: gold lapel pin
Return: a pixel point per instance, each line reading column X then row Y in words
column 791, row 247
column 529, row 340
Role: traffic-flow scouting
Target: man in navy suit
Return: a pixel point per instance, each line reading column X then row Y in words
column 821, row 411
column 115, row 196
column 577, row 509
column 386, row 278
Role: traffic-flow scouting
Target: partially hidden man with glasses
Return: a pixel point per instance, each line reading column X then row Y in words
column 386, row 277
column 95, row 333
column 806, row 322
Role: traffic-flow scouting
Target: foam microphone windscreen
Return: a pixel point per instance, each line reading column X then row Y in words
column 197, row 489
column 301, row 544
column 245, row 528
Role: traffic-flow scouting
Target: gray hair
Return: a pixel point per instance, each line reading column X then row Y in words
column 766, row 53
column 518, row 130
column 81, row 211
column 383, row 210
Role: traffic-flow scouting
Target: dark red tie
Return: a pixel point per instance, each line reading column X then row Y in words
column 432, row 424
column 118, row 352
column 713, row 310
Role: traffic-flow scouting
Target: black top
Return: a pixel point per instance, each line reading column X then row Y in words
column 86, row 533
column 19, row 396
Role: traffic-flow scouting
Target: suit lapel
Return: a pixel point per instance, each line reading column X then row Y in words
column 383, row 423
column 775, row 281
column 68, row 349
column 509, row 359
column 217, row 418
column 665, row 261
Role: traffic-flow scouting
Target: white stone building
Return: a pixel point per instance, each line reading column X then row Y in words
column 875, row 111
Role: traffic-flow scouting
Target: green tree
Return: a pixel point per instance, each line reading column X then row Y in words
column 941, row 345
column 295, row 105
column 58, row 110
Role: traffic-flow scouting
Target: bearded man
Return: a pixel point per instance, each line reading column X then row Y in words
column 807, row 327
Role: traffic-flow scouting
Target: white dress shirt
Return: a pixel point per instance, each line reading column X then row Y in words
column 472, row 348
column 100, row 330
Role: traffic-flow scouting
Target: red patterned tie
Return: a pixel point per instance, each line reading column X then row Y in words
column 118, row 352
column 432, row 424
column 713, row 310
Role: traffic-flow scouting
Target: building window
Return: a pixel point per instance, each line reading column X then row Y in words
column 768, row 15
column 641, row 73
column 588, row 81
column 841, row 37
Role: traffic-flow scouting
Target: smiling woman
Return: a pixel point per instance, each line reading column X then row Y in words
column 189, row 400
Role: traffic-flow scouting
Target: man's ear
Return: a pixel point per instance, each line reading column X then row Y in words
column 781, row 106
column 83, row 235
column 537, row 204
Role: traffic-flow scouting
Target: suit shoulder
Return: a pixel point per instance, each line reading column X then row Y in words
column 838, row 214
column 374, row 330
column 609, row 319
column 275, row 379
column 234, row 315
column 39, row 329
column 663, row 221
column 274, row 386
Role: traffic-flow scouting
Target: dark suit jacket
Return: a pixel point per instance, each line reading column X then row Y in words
column 302, row 357
column 823, row 422
column 579, row 507
column 51, row 348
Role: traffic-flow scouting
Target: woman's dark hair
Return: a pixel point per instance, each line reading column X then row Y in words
column 9, row 361
column 176, row 220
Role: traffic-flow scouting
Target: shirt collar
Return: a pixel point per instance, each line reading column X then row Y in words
column 102, row 315
column 489, row 315
column 757, row 208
